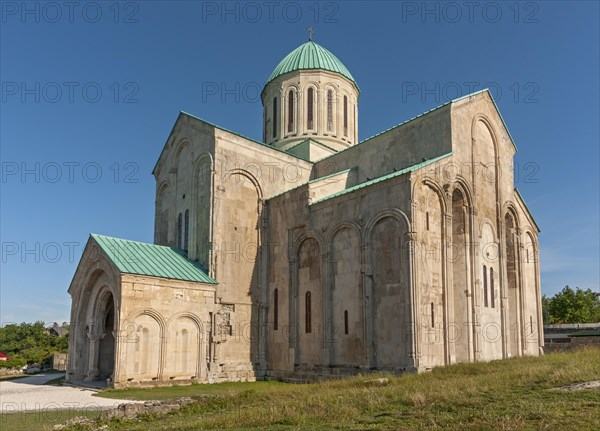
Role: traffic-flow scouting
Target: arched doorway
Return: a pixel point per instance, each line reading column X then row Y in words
column 100, row 338
column 106, row 348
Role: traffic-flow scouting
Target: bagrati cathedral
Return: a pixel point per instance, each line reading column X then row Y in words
column 312, row 255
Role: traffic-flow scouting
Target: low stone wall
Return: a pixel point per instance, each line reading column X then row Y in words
column 569, row 328
column 59, row 361
column 223, row 374
column 575, row 343
column 9, row 372
column 127, row 411
column 133, row 410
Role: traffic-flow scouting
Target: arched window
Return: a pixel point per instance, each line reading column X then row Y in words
column 329, row 110
column 275, row 117
column 307, row 313
column 275, row 309
column 179, row 230
column 345, row 115
column 492, row 288
column 309, row 108
column 186, row 236
column 485, row 287
column 291, row 111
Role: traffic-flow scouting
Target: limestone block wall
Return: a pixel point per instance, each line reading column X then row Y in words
column 311, row 285
column 184, row 188
column 210, row 190
column 331, row 184
column 245, row 175
column 426, row 137
column 345, row 262
column 530, row 263
column 486, row 152
column 164, row 331
column 507, row 294
column 428, row 217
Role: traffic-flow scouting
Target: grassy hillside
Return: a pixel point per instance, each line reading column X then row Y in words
column 513, row 394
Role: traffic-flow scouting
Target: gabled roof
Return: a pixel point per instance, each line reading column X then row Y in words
column 58, row 330
column 132, row 257
column 311, row 140
column 385, row 177
column 410, row 120
column 296, row 149
column 216, row 126
column 520, row 197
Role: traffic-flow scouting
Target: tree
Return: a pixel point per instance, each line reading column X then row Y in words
column 545, row 312
column 28, row 343
column 572, row 306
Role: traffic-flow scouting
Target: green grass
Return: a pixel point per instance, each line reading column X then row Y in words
column 56, row 382
column 43, row 420
column 512, row 394
column 500, row 395
column 194, row 390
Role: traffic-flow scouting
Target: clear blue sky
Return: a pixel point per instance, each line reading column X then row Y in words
column 540, row 59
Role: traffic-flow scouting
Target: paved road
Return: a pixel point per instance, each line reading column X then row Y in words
column 31, row 394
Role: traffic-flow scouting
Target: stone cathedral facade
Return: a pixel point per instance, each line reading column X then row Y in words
column 311, row 254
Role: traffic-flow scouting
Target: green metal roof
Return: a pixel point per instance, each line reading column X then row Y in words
column 384, row 177
column 132, row 257
column 586, row 333
column 310, row 55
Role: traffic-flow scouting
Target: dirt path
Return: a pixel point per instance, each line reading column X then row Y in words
column 32, row 394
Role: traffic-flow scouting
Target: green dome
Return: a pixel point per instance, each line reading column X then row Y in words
column 310, row 56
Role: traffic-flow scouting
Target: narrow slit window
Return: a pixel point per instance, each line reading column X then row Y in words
column 186, row 236
column 275, row 309
column 179, row 230
column 485, row 287
column 329, row 110
column 309, row 108
column 354, row 123
column 345, row 115
column 346, row 322
column 492, row 296
column 308, row 313
column 427, row 220
column 432, row 316
column 531, row 323
column 291, row 111
column 275, row 117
